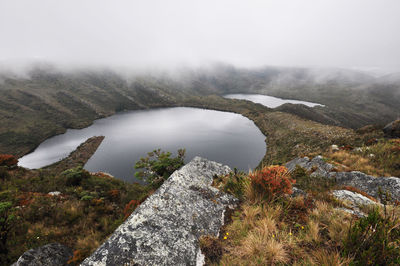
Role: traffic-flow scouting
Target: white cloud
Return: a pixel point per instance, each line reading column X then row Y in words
column 347, row 33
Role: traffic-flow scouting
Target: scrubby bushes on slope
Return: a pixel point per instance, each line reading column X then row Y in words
column 271, row 227
column 82, row 212
column 8, row 160
column 158, row 166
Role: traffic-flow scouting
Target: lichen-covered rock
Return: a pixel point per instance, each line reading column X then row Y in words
column 54, row 193
column 53, row 254
column 363, row 182
column 392, row 130
column 367, row 183
column 355, row 199
column 355, row 212
column 317, row 165
column 298, row 192
column 165, row 229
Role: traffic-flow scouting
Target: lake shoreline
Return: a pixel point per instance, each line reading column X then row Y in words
column 225, row 136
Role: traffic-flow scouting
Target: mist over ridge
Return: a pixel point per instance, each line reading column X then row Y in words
column 158, row 35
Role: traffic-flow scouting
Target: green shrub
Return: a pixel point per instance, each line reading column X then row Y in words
column 158, row 166
column 374, row 240
column 7, row 218
column 74, row 176
column 87, row 198
column 235, row 184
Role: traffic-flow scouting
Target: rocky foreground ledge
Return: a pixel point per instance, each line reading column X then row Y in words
column 165, row 229
column 368, row 184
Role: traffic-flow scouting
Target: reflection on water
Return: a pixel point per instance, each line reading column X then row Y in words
column 220, row 136
column 268, row 101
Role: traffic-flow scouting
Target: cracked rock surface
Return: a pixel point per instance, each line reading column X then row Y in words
column 53, row 254
column 165, row 229
column 368, row 184
column 320, row 167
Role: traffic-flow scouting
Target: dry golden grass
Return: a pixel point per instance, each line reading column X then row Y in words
column 379, row 159
column 251, row 213
column 88, row 242
column 325, row 258
column 338, row 228
column 347, row 161
column 275, row 252
column 251, row 195
column 259, row 236
column 321, row 209
column 272, row 210
column 312, row 231
column 266, row 227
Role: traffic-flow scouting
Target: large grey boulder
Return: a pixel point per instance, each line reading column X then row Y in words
column 392, row 129
column 368, row 184
column 53, row 254
column 165, row 229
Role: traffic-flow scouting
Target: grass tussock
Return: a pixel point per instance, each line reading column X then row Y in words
column 311, row 230
column 283, row 230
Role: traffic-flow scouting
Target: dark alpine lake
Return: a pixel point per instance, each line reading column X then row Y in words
column 268, row 101
column 224, row 137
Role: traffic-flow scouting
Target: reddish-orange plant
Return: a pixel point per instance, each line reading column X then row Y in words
column 114, row 194
column 76, row 258
column 272, row 181
column 130, row 207
column 8, row 160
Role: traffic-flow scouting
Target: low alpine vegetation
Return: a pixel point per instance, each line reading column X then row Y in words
column 81, row 211
column 272, row 227
column 158, row 166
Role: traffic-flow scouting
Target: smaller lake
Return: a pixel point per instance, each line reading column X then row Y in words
column 224, row 137
column 269, row 101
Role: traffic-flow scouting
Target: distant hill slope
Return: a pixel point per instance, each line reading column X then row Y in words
column 352, row 99
column 47, row 102
column 34, row 109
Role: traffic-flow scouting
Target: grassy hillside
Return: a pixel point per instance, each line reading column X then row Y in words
column 34, row 109
column 287, row 135
column 49, row 101
column 352, row 99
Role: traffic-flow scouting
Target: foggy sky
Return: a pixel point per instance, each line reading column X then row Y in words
column 338, row 33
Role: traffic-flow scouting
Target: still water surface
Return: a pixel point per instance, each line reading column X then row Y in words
column 268, row 101
column 224, row 137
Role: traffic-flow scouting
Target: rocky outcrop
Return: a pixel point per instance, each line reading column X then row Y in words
column 317, row 165
column 368, row 184
column 354, row 199
column 361, row 181
column 392, row 130
column 53, row 254
column 165, row 229
column 297, row 192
